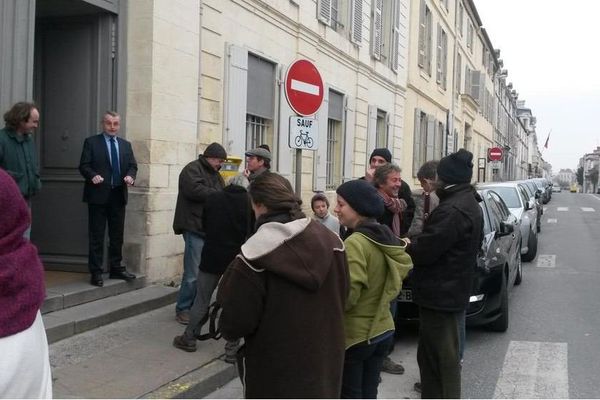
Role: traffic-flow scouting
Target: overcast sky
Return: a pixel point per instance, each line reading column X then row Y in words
column 551, row 51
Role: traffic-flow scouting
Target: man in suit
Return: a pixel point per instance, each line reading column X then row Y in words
column 109, row 168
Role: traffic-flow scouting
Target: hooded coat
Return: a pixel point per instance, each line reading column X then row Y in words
column 378, row 264
column 285, row 294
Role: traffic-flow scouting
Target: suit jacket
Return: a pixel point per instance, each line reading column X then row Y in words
column 96, row 161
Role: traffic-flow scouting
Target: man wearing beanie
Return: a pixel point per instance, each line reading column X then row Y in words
column 444, row 257
column 377, row 264
column 197, row 180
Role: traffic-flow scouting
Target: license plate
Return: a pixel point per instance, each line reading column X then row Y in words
column 405, row 296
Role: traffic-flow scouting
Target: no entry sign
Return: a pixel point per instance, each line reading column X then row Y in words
column 304, row 87
column 495, row 154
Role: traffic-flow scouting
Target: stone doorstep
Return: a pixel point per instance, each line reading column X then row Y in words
column 196, row 384
column 75, row 293
column 83, row 317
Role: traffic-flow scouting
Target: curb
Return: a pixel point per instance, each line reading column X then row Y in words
column 197, row 383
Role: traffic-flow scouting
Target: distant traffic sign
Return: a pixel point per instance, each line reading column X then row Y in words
column 304, row 87
column 495, row 154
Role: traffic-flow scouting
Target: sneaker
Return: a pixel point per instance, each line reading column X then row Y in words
column 185, row 344
column 417, row 387
column 183, row 317
column 391, row 367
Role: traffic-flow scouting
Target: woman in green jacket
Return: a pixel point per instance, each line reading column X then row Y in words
column 377, row 263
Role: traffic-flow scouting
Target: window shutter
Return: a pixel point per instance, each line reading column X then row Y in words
column 320, row 155
column 475, row 85
column 429, row 45
column 348, row 129
column 394, row 54
column 236, row 92
column 371, row 131
column 388, row 139
column 417, row 142
column 438, row 55
column 444, row 59
column 285, row 155
column 422, row 33
column 356, row 22
column 376, row 41
column 324, row 11
column 431, row 128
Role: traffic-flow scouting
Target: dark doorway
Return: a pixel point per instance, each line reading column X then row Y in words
column 74, row 83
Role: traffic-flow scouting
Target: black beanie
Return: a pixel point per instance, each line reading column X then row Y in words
column 215, row 150
column 381, row 152
column 362, row 197
column 456, row 167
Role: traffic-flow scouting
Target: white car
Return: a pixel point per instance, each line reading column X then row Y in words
column 556, row 188
column 521, row 206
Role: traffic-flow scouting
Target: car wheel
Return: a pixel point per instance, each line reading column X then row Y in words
column 532, row 244
column 501, row 324
column 519, row 277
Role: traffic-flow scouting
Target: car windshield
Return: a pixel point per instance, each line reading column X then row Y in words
column 509, row 195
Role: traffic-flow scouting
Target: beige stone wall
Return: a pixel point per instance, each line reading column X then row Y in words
column 162, row 115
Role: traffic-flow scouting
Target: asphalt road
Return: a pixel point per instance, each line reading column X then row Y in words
column 552, row 346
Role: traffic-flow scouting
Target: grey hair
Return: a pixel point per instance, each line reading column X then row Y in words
column 382, row 172
column 239, row 180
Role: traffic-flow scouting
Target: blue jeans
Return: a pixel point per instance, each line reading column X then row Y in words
column 362, row 366
column 191, row 265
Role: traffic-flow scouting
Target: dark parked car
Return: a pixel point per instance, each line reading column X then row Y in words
column 498, row 269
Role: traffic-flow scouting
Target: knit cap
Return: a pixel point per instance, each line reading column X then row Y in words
column 456, row 167
column 362, row 197
column 215, row 150
column 381, row 152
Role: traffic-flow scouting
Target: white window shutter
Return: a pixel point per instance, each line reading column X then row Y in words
column 371, row 131
column 377, row 36
column 395, row 51
column 285, row 155
column 236, row 91
column 417, row 143
column 320, row 155
column 444, row 60
column 431, row 127
column 438, row 56
column 349, row 126
column 422, row 34
column 388, row 130
column 356, row 22
column 475, row 85
column 324, row 11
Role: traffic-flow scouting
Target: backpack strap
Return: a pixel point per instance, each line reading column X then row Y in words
column 212, row 315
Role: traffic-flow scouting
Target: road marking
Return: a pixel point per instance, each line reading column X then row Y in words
column 534, row 370
column 305, row 87
column 546, row 261
column 562, row 209
column 587, row 209
column 552, row 220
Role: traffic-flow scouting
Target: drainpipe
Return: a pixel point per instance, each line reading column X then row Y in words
column 450, row 113
column 199, row 73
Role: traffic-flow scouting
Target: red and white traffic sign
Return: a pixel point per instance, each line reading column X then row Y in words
column 304, row 87
column 495, row 154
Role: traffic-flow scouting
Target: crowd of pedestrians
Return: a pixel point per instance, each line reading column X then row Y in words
column 307, row 303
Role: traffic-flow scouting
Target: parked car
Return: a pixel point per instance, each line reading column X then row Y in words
column 556, row 188
column 534, row 195
column 498, row 269
column 523, row 208
column 545, row 189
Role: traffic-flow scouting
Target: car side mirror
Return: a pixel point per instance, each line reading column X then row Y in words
column 528, row 206
column 506, row 228
column 537, row 194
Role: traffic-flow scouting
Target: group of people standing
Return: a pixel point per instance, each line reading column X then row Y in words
column 312, row 298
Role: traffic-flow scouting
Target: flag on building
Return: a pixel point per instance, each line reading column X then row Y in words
column 548, row 138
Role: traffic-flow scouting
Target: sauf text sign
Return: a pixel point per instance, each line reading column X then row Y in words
column 303, row 133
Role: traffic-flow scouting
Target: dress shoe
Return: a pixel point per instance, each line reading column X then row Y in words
column 97, row 280
column 124, row 275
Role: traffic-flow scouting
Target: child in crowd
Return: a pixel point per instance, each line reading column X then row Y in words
column 320, row 206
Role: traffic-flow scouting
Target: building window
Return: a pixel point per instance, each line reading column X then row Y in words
column 470, row 37
column 333, row 162
column 381, row 131
column 458, row 74
column 258, row 131
column 438, row 147
column 425, row 33
column 260, row 103
column 442, row 57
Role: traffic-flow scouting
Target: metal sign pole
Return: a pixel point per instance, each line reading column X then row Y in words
column 299, row 172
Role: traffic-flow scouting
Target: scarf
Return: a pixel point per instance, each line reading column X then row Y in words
column 21, row 273
column 396, row 206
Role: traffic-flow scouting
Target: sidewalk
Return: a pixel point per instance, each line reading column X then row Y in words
column 134, row 358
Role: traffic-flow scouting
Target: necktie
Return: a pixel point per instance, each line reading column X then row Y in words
column 114, row 160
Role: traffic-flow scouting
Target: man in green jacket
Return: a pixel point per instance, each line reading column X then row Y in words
column 17, row 149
